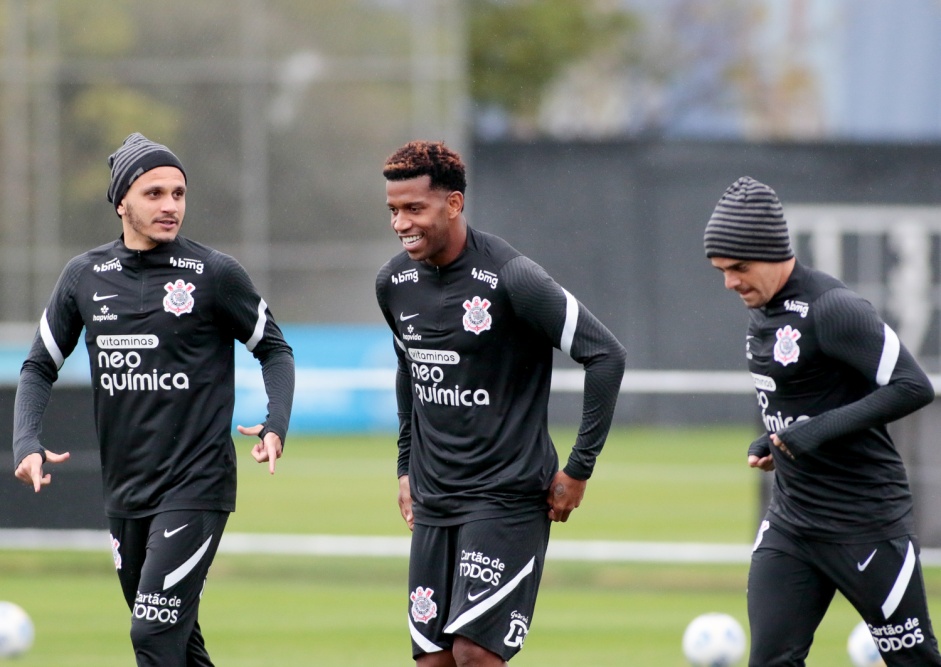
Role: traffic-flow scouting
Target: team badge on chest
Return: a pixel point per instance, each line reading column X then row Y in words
column 786, row 350
column 476, row 317
column 179, row 298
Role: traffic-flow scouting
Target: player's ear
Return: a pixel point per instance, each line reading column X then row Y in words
column 455, row 202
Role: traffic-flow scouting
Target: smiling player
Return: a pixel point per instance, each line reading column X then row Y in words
column 475, row 323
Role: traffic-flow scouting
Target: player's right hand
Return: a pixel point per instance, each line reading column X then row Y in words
column 29, row 471
column 405, row 501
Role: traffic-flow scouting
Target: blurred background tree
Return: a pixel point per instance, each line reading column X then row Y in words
column 519, row 48
column 283, row 110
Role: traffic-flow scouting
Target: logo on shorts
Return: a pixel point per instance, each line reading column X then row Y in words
column 179, row 298
column 786, row 350
column 519, row 628
column 115, row 552
column 423, row 607
column 476, row 317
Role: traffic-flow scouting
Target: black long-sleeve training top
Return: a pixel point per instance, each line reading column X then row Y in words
column 830, row 374
column 474, row 341
column 160, row 327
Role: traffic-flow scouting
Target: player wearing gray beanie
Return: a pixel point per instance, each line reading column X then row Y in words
column 830, row 375
column 177, row 308
column 137, row 155
column 748, row 223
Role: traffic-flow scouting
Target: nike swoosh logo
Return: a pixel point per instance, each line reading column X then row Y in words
column 95, row 296
column 862, row 566
column 474, row 598
column 171, row 533
column 404, row 317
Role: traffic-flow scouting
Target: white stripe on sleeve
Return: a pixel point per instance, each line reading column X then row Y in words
column 890, row 355
column 259, row 326
column 571, row 320
column 50, row 342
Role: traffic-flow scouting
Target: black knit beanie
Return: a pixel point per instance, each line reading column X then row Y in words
column 748, row 223
column 137, row 155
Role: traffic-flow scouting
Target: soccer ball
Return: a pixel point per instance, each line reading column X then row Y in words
column 862, row 647
column 16, row 630
column 714, row 640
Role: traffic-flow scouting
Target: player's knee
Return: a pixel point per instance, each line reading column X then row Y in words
column 468, row 654
column 153, row 645
column 780, row 659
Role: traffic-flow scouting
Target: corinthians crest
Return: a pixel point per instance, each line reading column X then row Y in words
column 786, row 350
column 476, row 317
column 423, row 607
column 179, row 298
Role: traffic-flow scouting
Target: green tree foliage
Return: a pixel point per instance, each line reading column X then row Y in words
column 517, row 47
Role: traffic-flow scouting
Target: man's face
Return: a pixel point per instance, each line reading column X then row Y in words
column 153, row 208
column 425, row 219
column 755, row 282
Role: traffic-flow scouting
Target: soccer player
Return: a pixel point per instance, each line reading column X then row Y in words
column 474, row 324
column 829, row 374
column 161, row 315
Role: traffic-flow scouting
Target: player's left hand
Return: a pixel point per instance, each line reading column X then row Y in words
column 269, row 449
column 777, row 442
column 765, row 463
column 565, row 494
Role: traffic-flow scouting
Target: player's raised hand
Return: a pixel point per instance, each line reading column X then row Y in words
column 30, row 471
column 565, row 494
column 268, row 449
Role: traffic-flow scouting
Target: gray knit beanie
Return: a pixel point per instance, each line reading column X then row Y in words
column 748, row 224
column 137, row 155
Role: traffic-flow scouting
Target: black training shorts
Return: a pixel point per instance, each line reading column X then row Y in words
column 478, row 580
column 792, row 581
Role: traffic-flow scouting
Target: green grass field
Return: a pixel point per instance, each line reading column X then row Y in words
column 688, row 485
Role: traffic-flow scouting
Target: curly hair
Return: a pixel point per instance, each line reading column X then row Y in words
column 432, row 158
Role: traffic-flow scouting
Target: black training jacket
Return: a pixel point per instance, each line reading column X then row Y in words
column 160, row 328
column 830, row 374
column 474, row 341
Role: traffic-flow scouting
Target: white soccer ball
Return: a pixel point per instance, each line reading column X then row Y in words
column 714, row 640
column 862, row 648
column 16, row 630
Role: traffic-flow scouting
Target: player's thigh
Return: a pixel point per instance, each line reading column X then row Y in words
column 129, row 549
column 787, row 598
column 430, row 576
column 499, row 566
column 180, row 549
column 883, row 581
